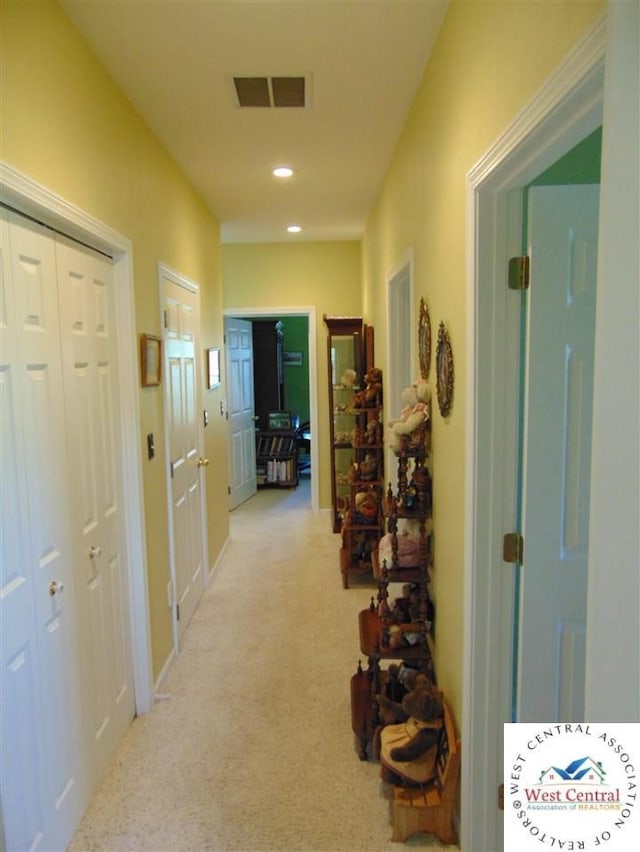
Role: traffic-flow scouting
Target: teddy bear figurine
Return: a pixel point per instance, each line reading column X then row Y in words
column 415, row 412
column 408, row 749
column 371, row 395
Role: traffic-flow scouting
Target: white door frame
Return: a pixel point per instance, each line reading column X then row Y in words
column 565, row 110
column 310, row 313
column 391, row 389
column 25, row 195
column 180, row 280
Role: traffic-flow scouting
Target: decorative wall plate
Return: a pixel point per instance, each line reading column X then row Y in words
column 444, row 371
column 424, row 340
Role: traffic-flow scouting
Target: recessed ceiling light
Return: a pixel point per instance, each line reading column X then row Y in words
column 294, row 229
column 283, row 171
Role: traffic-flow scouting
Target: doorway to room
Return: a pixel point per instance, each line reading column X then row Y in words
column 496, row 188
column 295, row 390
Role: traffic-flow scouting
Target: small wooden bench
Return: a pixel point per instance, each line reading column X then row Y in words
column 430, row 808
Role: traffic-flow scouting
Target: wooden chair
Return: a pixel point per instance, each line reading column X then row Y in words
column 430, row 808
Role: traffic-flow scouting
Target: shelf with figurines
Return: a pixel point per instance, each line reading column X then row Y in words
column 398, row 626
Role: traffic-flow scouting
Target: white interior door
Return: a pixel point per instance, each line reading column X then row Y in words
column 242, row 426
column 43, row 784
column 186, row 464
column 90, row 355
column 563, row 231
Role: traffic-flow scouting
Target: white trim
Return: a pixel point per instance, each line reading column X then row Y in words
column 565, row 110
column 21, row 192
column 310, row 313
column 213, row 568
column 392, row 394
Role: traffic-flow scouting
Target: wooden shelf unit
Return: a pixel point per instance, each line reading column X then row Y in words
column 276, row 459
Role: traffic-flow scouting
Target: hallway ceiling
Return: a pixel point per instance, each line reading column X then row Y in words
column 363, row 61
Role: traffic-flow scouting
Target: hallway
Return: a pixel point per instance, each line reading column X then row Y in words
column 250, row 746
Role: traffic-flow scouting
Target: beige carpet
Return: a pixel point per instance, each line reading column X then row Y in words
column 253, row 748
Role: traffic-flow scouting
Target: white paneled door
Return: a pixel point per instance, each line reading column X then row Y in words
column 66, row 673
column 563, row 236
column 186, row 464
column 89, row 349
column 242, row 425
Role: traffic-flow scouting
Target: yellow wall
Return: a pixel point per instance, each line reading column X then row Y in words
column 323, row 275
column 66, row 125
column 489, row 60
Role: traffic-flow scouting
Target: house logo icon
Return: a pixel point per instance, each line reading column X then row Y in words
column 584, row 769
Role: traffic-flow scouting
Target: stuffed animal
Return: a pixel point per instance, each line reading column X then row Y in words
column 408, row 749
column 348, row 378
column 371, row 395
column 416, row 411
column 366, row 506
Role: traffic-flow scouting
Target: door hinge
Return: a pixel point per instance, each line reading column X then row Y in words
column 513, row 548
column 177, row 612
column 519, row 273
column 501, row 797
column 165, row 316
column 229, row 489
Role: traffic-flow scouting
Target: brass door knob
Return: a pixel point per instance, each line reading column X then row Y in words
column 203, row 462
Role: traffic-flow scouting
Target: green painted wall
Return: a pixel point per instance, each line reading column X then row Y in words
column 296, row 379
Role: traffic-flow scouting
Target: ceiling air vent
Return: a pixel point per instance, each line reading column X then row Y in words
column 270, row 91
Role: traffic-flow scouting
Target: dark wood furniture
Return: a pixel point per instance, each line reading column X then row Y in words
column 398, row 624
column 276, row 458
column 346, row 366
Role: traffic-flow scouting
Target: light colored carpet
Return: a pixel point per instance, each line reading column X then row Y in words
column 253, row 750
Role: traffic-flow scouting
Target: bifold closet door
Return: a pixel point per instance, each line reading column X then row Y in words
column 89, row 358
column 67, row 693
column 42, row 735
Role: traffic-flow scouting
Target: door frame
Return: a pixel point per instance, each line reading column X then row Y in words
column 310, row 314
column 395, row 280
column 165, row 271
column 567, row 108
column 19, row 191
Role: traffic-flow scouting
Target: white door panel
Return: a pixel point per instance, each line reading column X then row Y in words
column 242, row 433
column 563, row 229
column 90, row 370
column 182, row 326
column 41, row 704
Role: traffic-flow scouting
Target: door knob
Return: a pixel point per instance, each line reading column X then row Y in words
column 94, row 552
column 55, row 587
column 203, row 462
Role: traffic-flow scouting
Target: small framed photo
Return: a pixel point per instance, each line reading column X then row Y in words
column 292, row 359
column 150, row 360
column 213, row 369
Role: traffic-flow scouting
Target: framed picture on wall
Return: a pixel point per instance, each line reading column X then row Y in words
column 150, row 360
column 213, row 369
column 292, row 359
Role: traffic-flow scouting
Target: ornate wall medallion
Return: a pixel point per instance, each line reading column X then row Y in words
column 424, row 340
column 444, row 371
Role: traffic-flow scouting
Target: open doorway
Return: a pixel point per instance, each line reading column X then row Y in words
column 569, row 108
column 298, row 383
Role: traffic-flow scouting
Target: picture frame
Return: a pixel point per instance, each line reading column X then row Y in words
column 150, row 360
column 213, row 369
column 292, row 359
column 424, row 340
column 444, row 371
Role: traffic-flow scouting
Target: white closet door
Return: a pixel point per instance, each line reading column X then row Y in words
column 89, row 347
column 41, row 774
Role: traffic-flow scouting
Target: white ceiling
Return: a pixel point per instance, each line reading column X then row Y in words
column 175, row 60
